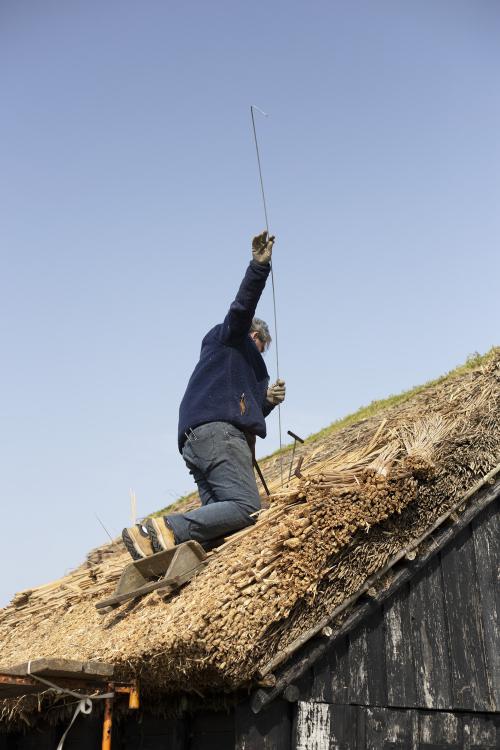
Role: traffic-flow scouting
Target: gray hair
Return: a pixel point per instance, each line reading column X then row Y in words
column 262, row 329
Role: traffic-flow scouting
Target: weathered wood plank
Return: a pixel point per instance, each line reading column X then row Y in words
column 469, row 681
column 358, row 667
column 375, row 641
column 331, row 675
column 399, row 661
column 270, row 730
column 312, row 726
column 439, row 730
column 480, row 732
column 63, row 668
column 388, row 728
column 430, row 635
column 486, row 538
column 344, row 726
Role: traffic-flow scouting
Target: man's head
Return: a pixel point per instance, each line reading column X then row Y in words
column 259, row 333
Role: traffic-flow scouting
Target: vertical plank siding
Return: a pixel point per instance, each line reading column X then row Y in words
column 486, row 538
column 470, row 685
column 431, row 660
column 435, row 644
column 400, row 675
column 331, row 675
column 313, row 730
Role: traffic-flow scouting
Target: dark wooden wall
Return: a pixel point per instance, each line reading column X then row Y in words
column 435, row 644
column 421, row 673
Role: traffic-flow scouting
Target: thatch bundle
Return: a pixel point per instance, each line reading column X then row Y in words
column 365, row 493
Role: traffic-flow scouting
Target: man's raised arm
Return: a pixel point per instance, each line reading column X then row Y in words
column 237, row 322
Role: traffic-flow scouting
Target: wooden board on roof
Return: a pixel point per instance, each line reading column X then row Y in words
column 67, row 668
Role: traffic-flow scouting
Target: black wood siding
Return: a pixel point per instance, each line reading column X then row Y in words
column 434, row 645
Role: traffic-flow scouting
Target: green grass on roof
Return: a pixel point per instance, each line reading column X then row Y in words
column 364, row 412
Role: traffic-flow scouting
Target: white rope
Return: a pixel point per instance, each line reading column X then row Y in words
column 84, row 701
column 84, row 707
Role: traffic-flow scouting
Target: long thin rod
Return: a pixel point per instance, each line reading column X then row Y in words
column 252, row 107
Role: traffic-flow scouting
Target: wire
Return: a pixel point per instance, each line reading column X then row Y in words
column 252, row 107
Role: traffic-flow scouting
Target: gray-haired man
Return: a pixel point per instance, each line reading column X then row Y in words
column 222, row 411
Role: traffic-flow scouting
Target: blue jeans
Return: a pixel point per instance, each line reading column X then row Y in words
column 219, row 458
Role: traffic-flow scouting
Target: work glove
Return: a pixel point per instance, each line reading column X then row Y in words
column 262, row 248
column 276, row 393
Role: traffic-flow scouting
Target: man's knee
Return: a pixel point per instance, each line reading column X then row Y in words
column 249, row 509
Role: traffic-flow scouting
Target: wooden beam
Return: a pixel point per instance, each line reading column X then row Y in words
column 82, row 670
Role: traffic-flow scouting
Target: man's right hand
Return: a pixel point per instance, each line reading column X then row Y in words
column 262, row 248
column 276, row 393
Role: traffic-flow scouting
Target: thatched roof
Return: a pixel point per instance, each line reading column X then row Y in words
column 366, row 492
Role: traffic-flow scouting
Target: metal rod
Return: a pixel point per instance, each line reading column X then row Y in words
column 252, row 107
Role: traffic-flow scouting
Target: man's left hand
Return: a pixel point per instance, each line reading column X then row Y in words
column 262, row 248
column 276, row 393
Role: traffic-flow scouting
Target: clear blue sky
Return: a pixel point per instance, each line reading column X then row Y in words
column 129, row 195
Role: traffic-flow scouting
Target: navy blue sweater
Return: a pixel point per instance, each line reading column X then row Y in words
column 229, row 383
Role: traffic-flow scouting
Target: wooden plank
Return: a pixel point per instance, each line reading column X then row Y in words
column 91, row 670
column 270, row 730
column 388, row 728
column 312, row 726
column 343, row 726
column 331, row 675
column 439, row 730
column 398, row 647
column 480, row 731
column 486, row 538
column 377, row 677
column 358, row 667
column 430, row 635
column 470, row 685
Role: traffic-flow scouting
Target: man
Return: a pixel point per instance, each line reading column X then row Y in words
column 221, row 413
